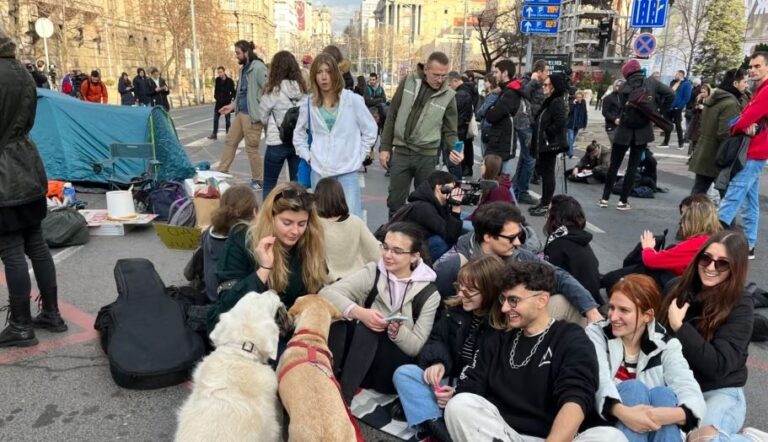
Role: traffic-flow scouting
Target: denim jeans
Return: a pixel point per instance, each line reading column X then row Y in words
column 633, row 393
column 437, row 247
column 525, row 163
column 743, row 193
column 726, row 411
column 418, row 397
column 274, row 158
column 571, row 139
column 350, row 182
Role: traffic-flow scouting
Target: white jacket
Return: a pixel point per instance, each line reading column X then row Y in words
column 661, row 363
column 273, row 107
column 342, row 149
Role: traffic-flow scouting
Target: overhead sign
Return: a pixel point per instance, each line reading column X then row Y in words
column 541, row 12
column 649, row 14
column 543, row 2
column 644, row 45
column 556, row 62
column 538, row 26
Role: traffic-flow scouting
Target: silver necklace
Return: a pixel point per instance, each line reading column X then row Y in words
column 533, row 350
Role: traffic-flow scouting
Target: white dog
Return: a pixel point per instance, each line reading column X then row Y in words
column 234, row 397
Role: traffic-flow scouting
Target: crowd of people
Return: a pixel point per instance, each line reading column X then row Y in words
column 483, row 331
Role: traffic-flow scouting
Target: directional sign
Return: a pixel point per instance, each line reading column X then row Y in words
column 541, row 12
column 644, row 45
column 543, row 2
column 649, row 13
column 538, row 26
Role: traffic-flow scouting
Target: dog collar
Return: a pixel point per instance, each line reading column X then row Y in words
column 247, row 347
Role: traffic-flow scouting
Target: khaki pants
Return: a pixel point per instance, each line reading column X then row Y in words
column 243, row 128
column 472, row 418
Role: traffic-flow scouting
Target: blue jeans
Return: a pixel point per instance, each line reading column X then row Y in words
column 418, row 397
column 525, row 163
column 633, row 393
column 437, row 247
column 274, row 158
column 726, row 411
column 743, row 194
column 571, row 138
column 453, row 169
column 350, row 182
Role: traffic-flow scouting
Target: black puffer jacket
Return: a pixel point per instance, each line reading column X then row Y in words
column 550, row 130
column 498, row 137
column 569, row 249
column 447, row 338
column 431, row 217
column 663, row 97
column 22, row 174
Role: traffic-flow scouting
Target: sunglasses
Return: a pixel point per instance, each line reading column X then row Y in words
column 465, row 292
column 297, row 197
column 512, row 301
column 511, row 238
column 721, row 265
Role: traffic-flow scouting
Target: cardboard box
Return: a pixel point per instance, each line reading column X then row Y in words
column 204, row 208
column 100, row 225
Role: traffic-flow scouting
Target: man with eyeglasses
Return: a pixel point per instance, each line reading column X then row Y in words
column 534, row 377
column 499, row 230
column 744, row 188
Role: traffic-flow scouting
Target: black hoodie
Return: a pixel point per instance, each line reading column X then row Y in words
column 569, row 249
column 432, row 217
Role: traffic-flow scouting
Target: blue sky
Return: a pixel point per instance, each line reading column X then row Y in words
column 341, row 11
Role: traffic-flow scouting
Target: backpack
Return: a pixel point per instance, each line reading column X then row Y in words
column 640, row 109
column 288, row 125
column 144, row 332
column 401, row 214
column 162, row 198
column 64, row 227
column 182, row 213
column 418, row 301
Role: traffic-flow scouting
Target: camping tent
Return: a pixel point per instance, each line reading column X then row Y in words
column 73, row 136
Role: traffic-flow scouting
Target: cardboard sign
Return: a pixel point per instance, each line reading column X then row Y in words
column 178, row 237
column 204, row 208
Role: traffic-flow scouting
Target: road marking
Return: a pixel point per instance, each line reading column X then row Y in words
column 202, row 142
column 594, row 228
column 66, row 253
column 195, row 122
column 670, row 155
column 362, row 181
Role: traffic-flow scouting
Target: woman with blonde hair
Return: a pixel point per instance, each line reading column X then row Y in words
column 335, row 131
column 282, row 250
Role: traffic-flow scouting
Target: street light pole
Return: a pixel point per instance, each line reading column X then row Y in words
column 195, row 67
column 464, row 39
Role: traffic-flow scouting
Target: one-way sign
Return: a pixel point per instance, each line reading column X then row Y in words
column 538, row 26
column 649, row 13
column 541, row 12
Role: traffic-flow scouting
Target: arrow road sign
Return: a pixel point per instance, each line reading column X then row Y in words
column 541, row 12
column 543, row 2
column 644, row 45
column 539, row 26
column 649, row 13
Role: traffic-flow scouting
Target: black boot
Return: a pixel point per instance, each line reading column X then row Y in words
column 437, row 429
column 50, row 318
column 19, row 332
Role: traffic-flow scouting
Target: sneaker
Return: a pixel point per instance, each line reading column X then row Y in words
column 603, row 204
column 536, row 180
column 526, row 198
column 752, row 253
column 386, row 174
column 663, row 146
column 681, row 146
column 623, row 206
column 538, row 210
column 256, row 185
column 211, row 137
column 755, row 434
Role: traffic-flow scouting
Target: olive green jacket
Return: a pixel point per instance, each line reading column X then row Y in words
column 719, row 109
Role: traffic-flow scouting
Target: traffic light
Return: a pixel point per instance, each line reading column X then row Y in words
column 604, row 31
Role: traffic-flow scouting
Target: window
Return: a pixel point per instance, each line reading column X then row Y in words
column 231, row 5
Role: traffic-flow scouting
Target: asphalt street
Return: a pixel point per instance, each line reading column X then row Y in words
column 62, row 389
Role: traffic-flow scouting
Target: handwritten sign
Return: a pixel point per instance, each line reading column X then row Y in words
column 178, row 237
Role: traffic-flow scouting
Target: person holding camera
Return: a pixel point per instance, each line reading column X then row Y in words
column 40, row 79
column 435, row 206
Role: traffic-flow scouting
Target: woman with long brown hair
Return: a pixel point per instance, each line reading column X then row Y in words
column 285, row 89
column 335, row 131
column 709, row 313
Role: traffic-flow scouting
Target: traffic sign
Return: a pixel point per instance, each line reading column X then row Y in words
column 644, row 45
column 649, row 13
column 541, row 12
column 538, row 26
column 543, row 2
column 44, row 27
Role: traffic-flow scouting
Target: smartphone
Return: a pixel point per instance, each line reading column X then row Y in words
column 458, row 147
column 396, row 317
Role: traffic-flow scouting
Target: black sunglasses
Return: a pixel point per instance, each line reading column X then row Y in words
column 511, row 238
column 297, row 196
column 721, row 265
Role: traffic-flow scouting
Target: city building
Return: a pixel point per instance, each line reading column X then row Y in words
column 287, row 25
column 578, row 31
column 253, row 21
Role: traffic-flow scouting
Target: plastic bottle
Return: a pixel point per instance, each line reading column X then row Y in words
column 69, row 195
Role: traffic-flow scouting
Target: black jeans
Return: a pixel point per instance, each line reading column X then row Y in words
column 469, row 154
column 617, row 156
column 13, row 248
column 216, row 116
column 273, row 164
column 701, row 185
column 546, row 164
column 677, row 117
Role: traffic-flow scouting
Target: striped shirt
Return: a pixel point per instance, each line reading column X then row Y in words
column 468, row 348
column 628, row 369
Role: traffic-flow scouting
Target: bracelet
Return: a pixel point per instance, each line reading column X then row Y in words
column 265, row 268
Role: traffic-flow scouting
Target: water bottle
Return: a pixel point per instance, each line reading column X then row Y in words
column 69, row 195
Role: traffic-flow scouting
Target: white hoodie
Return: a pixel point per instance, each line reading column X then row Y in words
column 274, row 105
column 342, row 149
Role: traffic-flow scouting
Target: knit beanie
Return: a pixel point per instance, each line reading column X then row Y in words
column 630, row 68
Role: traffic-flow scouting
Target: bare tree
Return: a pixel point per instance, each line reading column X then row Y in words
column 493, row 27
column 693, row 25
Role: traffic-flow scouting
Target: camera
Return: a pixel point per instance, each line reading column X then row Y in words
column 473, row 190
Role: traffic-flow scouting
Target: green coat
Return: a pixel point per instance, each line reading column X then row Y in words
column 719, row 109
column 237, row 263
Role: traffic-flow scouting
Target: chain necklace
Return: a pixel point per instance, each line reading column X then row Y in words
column 533, row 350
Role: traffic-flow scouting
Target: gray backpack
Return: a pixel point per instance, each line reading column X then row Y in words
column 64, row 227
column 182, row 213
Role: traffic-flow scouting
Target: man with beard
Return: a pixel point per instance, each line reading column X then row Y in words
column 534, row 377
column 247, row 122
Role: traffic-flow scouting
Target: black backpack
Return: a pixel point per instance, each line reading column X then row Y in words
column 418, row 301
column 641, row 109
column 288, row 125
column 144, row 332
column 64, row 227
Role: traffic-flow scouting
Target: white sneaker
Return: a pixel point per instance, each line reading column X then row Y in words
column 755, row 434
column 663, row 146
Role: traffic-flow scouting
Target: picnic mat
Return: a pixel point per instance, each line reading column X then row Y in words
column 374, row 409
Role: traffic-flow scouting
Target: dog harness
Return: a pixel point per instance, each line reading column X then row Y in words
column 322, row 365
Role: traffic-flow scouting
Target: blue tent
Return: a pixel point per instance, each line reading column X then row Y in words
column 72, row 136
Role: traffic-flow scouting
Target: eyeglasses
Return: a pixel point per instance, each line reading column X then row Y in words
column 721, row 265
column 465, row 292
column 298, row 197
column 511, row 238
column 396, row 250
column 512, row 301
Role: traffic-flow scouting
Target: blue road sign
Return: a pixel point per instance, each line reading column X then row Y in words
column 543, row 2
column 644, row 45
column 539, row 26
column 649, row 13
column 541, row 12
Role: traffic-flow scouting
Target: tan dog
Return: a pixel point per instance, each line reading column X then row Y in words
column 313, row 401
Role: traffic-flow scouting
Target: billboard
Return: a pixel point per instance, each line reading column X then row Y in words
column 556, row 62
